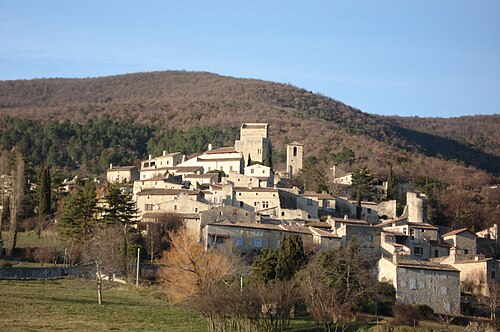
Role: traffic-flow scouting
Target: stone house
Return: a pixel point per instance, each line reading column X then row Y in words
column 225, row 159
column 262, row 173
column 325, row 240
column 255, row 199
column 241, row 180
column 121, row 174
column 326, row 202
column 248, row 237
column 157, row 166
column 158, row 182
column 201, row 180
column 344, row 206
column 151, row 200
column 368, row 237
column 463, row 240
column 475, row 271
column 419, row 236
column 423, row 282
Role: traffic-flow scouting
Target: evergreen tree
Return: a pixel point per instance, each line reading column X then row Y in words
column 291, row 257
column 119, row 207
column 79, row 215
column 44, row 201
column 269, row 156
column 391, row 185
column 264, row 267
column 249, row 161
column 362, row 185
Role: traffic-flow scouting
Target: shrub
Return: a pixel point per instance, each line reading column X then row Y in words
column 405, row 314
column 425, row 310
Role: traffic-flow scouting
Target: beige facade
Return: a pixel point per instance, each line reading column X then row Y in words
column 369, row 210
column 153, row 167
column 294, row 158
column 423, row 282
column 224, row 159
column 241, row 180
column 160, row 182
column 121, row 174
column 325, row 240
column 255, row 199
column 248, row 237
column 416, row 204
column 262, row 173
column 151, row 200
column 199, row 180
column 253, row 142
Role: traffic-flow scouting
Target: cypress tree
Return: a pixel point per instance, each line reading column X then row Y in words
column 291, row 257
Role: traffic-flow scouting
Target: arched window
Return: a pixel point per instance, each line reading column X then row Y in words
column 295, row 151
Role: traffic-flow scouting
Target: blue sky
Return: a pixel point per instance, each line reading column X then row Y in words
column 410, row 58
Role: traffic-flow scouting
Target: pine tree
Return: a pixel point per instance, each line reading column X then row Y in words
column 264, row 267
column 291, row 257
column 362, row 184
column 44, row 204
column 79, row 215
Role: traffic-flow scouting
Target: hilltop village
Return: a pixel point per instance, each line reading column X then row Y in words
column 232, row 195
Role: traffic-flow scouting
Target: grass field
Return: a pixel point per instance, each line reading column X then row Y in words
column 66, row 304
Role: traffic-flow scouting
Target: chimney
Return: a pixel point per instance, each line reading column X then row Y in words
column 150, row 157
column 164, row 153
column 395, row 258
column 110, row 166
column 210, row 147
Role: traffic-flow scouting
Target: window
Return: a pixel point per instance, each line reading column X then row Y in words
column 238, row 242
column 444, row 290
column 278, row 243
column 175, row 207
column 447, row 306
column 148, row 207
column 235, row 212
column 369, row 211
column 265, row 204
column 370, row 237
column 259, row 232
column 241, row 204
column 230, row 168
column 309, row 202
column 257, row 243
column 466, row 251
column 295, row 151
column 252, row 171
column 196, row 210
column 282, row 213
column 239, row 194
column 436, row 253
column 493, row 275
column 413, row 283
column 418, row 251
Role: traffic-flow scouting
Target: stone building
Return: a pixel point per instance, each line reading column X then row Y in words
column 121, row 174
column 462, row 240
column 294, row 158
column 254, row 142
column 157, row 166
column 225, row 159
column 423, row 282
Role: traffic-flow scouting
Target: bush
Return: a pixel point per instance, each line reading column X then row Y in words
column 425, row 310
column 405, row 314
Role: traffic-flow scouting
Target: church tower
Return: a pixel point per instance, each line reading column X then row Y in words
column 294, row 152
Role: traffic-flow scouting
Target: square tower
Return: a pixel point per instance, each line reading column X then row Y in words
column 253, row 142
column 294, row 152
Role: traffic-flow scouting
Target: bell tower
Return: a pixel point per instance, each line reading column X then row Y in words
column 294, row 153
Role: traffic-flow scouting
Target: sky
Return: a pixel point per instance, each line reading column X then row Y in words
column 438, row 58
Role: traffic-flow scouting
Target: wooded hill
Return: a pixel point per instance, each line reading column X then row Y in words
column 460, row 152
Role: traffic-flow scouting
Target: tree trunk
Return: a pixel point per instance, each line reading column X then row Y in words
column 99, row 290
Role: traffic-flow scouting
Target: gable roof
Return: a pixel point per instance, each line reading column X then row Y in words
column 226, row 149
column 458, row 231
column 426, row 265
column 167, row 192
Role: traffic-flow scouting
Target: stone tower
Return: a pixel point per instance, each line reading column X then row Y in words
column 253, row 142
column 294, row 153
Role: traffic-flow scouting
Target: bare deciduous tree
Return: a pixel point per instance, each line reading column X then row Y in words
column 105, row 251
column 189, row 270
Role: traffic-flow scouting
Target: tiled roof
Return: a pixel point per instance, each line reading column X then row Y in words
column 440, row 243
column 254, row 125
column 457, row 231
column 254, row 189
column 121, row 168
column 184, row 168
column 227, row 149
column 295, row 143
column 201, row 176
column 422, row 225
column 323, row 233
column 427, row 265
column 167, row 192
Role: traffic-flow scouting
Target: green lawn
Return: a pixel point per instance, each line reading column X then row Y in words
column 68, row 304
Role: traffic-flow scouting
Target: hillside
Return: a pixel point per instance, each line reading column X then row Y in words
column 185, row 99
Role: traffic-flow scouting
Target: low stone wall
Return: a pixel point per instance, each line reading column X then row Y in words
column 33, row 273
